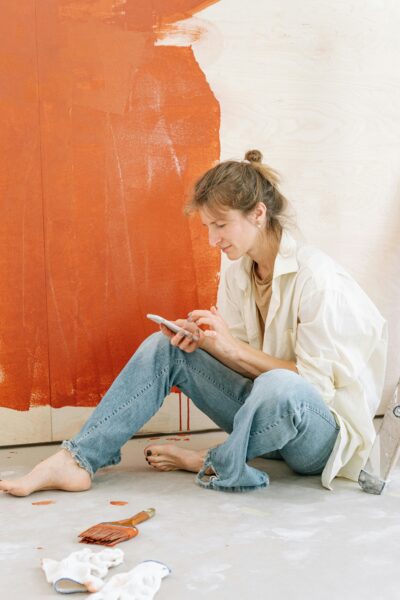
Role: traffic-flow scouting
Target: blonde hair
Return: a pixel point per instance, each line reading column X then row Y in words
column 241, row 185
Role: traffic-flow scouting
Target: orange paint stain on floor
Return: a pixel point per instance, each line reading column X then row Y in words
column 43, row 502
column 118, row 502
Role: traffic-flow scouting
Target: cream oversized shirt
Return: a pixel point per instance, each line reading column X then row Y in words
column 320, row 318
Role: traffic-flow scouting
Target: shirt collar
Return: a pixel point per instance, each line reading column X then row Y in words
column 285, row 262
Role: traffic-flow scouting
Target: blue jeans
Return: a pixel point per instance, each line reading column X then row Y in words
column 278, row 415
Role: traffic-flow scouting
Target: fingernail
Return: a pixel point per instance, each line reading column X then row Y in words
column 195, row 338
column 148, row 453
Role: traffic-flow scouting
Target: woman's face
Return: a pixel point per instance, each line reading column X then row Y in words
column 230, row 230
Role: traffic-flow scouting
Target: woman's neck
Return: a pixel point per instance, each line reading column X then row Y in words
column 264, row 254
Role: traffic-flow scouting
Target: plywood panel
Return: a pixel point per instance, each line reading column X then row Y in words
column 316, row 86
column 31, row 426
column 23, row 324
column 176, row 415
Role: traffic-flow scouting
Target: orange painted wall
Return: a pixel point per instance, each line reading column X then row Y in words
column 125, row 128
column 24, row 379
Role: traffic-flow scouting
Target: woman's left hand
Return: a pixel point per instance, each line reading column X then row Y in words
column 188, row 339
column 218, row 336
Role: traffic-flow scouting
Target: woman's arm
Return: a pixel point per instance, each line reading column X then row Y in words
column 234, row 353
column 252, row 362
column 218, row 341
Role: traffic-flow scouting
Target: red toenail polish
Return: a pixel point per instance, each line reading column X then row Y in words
column 148, row 453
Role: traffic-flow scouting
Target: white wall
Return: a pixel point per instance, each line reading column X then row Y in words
column 315, row 85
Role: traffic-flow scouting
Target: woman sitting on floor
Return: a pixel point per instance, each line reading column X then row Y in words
column 290, row 365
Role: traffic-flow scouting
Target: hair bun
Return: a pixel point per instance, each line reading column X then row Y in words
column 254, row 156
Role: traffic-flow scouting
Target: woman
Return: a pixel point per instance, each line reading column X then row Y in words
column 290, row 365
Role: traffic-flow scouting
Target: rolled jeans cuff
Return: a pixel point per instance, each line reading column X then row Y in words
column 81, row 461
column 251, row 480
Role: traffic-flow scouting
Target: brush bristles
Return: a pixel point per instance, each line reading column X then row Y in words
column 103, row 542
column 107, row 535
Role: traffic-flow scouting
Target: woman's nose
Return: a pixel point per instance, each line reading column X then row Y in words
column 213, row 238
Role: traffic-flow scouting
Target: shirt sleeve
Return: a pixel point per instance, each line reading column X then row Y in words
column 229, row 306
column 334, row 340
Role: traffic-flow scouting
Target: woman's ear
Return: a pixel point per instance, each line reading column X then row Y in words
column 259, row 213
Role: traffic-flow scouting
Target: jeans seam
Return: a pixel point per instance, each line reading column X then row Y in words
column 214, row 383
column 289, row 414
column 149, row 385
column 126, row 403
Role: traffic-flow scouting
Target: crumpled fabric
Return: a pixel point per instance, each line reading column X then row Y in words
column 81, row 571
column 141, row 583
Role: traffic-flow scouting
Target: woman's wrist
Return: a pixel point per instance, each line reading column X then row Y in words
column 231, row 350
column 235, row 353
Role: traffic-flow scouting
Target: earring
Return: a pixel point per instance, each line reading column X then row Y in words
column 259, row 225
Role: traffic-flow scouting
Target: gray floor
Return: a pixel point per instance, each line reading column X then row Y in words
column 293, row 539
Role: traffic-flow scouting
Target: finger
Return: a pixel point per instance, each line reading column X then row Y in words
column 189, row 344
column 179, row 337
column 209, row 321
column 196, row 314
column 189, row 348
column 210, row 333
column 188, row 326
column 181, row 322
column 167, row 332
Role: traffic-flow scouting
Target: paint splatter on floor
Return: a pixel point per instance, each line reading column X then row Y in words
column 43, row 502
column 118, row 502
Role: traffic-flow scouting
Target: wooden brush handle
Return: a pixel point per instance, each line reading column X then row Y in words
column 138, row 518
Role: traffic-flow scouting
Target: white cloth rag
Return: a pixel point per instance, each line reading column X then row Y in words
column 81, row 571
column 141, row 583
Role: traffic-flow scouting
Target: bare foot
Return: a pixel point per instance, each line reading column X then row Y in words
column 58, row 472
column 167, row 457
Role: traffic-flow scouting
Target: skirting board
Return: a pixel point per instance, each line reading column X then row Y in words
column 45, row 424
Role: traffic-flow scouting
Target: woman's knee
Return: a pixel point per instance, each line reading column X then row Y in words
column 155, row 341
column 280, row 388
column 156, row 345
column 289, row 393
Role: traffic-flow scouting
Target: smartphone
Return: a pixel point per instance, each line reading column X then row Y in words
column 161, row 321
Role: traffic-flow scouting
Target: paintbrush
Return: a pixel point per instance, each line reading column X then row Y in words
column 111, row 533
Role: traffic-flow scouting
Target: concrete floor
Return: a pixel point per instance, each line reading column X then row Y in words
column 293, row 539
